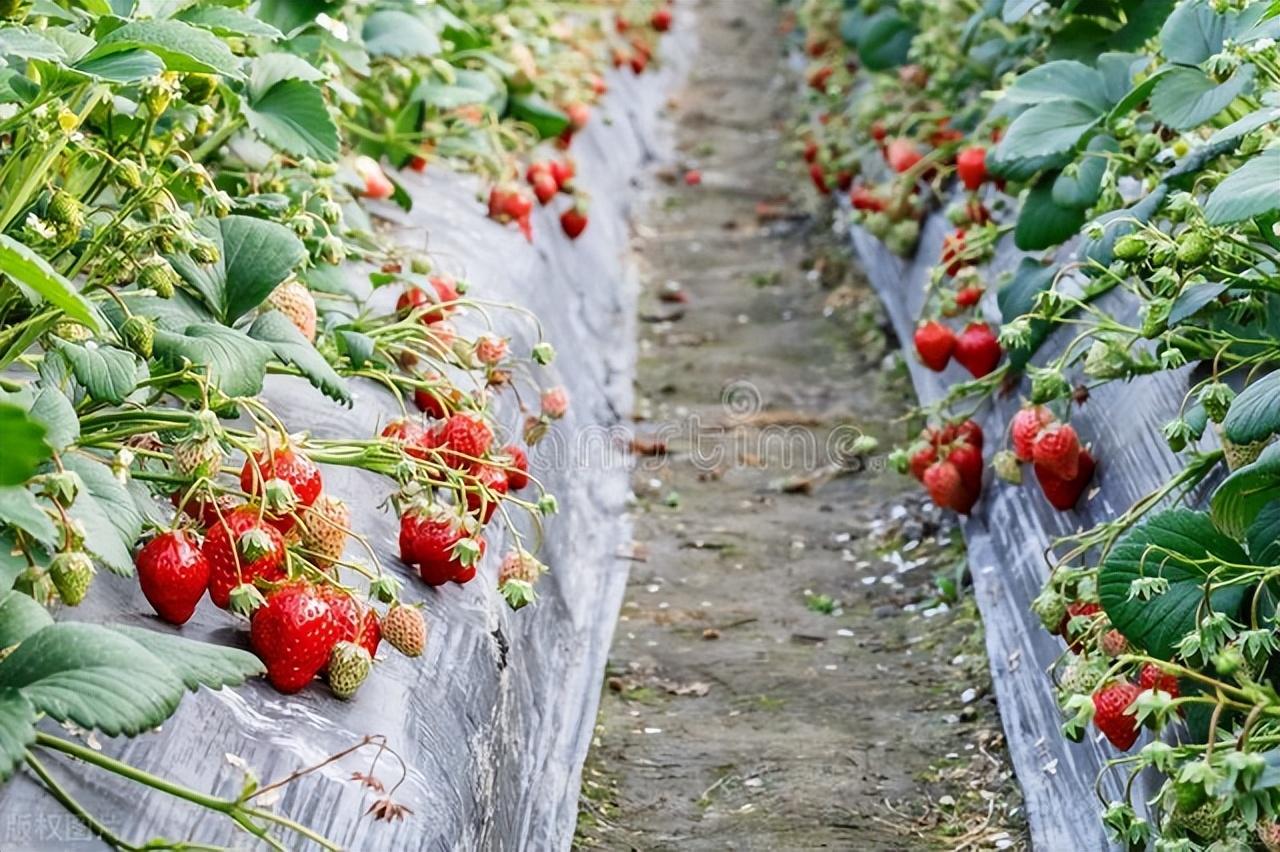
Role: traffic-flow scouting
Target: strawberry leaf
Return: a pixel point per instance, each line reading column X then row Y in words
column 1242, row 495
column 20, row 616
column 110, row 517
column 1255, row 413
column 290, row 347
column 1263, row 536
column 107, row 373
column 235, row 362
column 20, row 509
column 17, row 729
column 196, row 663
column 1179, row 547
column 25, row 447
column 94, row 677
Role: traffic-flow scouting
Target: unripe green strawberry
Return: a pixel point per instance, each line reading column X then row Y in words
column 349, row 666
column 204, row 252
column 1082, row 676
column 405, row 629
column 1148, row 146
column 139, row 333
column 200, row 88
column 198, row 457
column 1216, row 398
column 1240, row 455
column 70, row 330
column 1048, row 385
column 159, row 276
column 1130, row 247
column 1155, row 318
column 1193, row 248
column 1204, row 822
column 903, row 236
column 64, row 211
column 71, row 574
column 1051, row 608
column 128, row 174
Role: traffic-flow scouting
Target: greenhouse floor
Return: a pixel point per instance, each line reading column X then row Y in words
column 784, row 673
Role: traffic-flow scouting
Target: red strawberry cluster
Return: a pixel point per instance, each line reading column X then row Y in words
column 296, row 629
column 976, row 348
column 948, row 462
column 1063, row 467
column 508, row 203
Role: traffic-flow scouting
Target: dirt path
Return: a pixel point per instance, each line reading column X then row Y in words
column 781, row 677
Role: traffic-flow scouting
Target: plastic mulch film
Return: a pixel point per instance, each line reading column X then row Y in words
column 1012, row 526
column 495, row 719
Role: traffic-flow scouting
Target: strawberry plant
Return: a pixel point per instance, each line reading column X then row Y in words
column 1128, row 150
column 180, row 188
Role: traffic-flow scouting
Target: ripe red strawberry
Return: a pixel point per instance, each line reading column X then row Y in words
column 1076, row 609
column 574, row 221
column 661, row 20
column 639, row 61
column 810, row 151
column 902, row 154
column 844, row 180
column 1057, row 451
column 405, row 431
column 433, row 402
column 563, row 171
column 357, row 621
column 376, row 183
column 922, row 457
column 467, row 572
column 693, row 177
column 967, row 297
column 968, row 461
column 293, row 633
column 863, row 198
column 935, row 344
column 517, row 466
column 819, row 178
column 463, row 439
column 1151, row 677
column 1026, row 427
column 1109, row 706
column 415, row 298
column 483, row 496
column 945, row 486
column 201, row 509
column 579, row 114
column 418, row 164
column 977, row 349
column 431, row 539
column 971, row 166
column 544, row 186
column 173, row 574
column 878, row 131
column 1063, row 494
column 971, row 433
column 264, row 476
column 241, row 548
column 819, row 77
column 953, row 249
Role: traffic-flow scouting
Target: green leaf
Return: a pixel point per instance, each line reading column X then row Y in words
column 1192, row 299
column 12, row 561
column 292, row 118
column 93, row 676
column 1255, row 413
column 1166, row 545
column 1015, row 10
column 226, row 21
column 125, row 66
column 111, row 518
column 181, row 46
column 53, row 410
column 1042, row 223
column 290, row 347
column 1193, row 33
column 20, row 616
column 1083, row 188
column 1142, row 21
column 358, row 348
column 28, row 44
column 1240, row 497
column 33, row 273
column 1063, row 80
column 1055, row 127
column 550, row 121
column 469, row 87
column 255, row 255
column 886, row 40
column 274, row 67
column 25, row 448
column 330, row 279
column 17, row 730
column 107, row 373
column 1247, row 192
column 1018, row 297
column 196, row 663
column 1187, row 97
column 19, row 508
column 1248, row 124
column 391, row 32
column 1263, row 536
column 235, row 362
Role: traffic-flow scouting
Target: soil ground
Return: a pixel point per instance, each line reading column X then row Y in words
column 786, row 673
